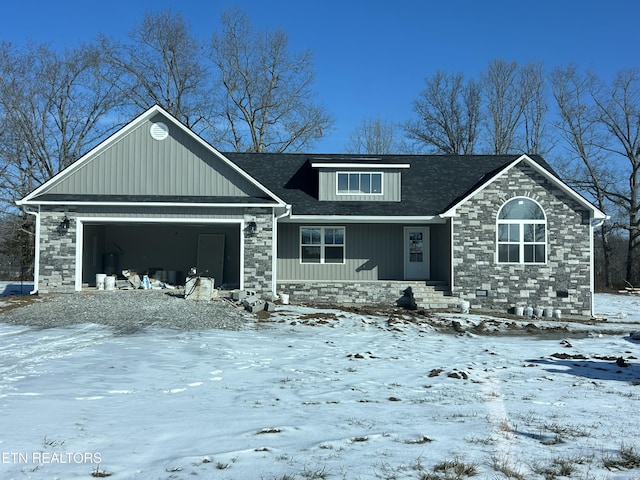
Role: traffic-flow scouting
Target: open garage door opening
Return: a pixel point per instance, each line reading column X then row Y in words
column 165, row 251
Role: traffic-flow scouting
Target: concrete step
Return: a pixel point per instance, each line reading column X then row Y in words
column 433, row 295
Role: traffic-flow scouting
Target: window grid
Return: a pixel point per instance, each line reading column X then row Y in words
column 359, row 183
column 322, row 245
column 521, row 233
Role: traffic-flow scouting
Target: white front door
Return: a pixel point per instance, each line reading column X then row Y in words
column 416, row 253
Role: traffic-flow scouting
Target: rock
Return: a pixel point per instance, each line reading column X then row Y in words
column 407, row 301
column 621, row 362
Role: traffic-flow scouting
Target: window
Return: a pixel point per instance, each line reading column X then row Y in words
column 322, row 244
column 359, row 183
column 522, row 232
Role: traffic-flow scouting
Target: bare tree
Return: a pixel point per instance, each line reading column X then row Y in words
column 602, row 124
column 162, row 64
column 618, row 111
column 374, row 137
column 532, row 86
column 267, row 100
column 588, row 169
column 504, row 104
column 53, row 106
column 448, row 111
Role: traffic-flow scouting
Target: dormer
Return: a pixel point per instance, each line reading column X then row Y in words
column 359, row 179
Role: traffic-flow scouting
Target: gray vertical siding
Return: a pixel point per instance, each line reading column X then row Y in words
column 373, row 252
column 138, row 164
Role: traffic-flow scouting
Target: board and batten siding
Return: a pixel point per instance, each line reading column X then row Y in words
column 164, row 213
column 137, row 164
column 373, row 252
column 391, row 180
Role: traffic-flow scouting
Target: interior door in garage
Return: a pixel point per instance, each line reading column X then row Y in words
column 211, row 257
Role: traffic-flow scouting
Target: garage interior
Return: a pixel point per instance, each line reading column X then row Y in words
column 164, row 251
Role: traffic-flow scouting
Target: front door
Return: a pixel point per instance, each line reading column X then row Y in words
column 416, row 253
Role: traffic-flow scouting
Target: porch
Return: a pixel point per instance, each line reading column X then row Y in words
column 427, row 295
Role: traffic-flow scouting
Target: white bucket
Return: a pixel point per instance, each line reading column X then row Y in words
column 464, row 306
column 100, row 278
column 284, row 298
column 548, row 312
column 520, row 311
column 557, row 313
column 110, row 283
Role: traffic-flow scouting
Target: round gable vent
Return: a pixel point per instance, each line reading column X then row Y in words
column 159, row 131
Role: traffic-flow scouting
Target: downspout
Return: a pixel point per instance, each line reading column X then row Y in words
column 451, row 258
column 274, row 249
column 449, row 216
column 36, row 255
column 592, row 276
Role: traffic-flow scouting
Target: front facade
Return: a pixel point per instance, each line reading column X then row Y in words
column 498, row 231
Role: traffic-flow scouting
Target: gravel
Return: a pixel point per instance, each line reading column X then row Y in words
column 127, row 310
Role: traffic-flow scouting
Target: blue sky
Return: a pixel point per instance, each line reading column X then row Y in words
column 371, row 57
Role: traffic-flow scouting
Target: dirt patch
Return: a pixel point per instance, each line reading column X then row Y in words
column 11, row 303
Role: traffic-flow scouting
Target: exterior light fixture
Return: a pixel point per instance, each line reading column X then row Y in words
column 64, row 226
column 250, row 229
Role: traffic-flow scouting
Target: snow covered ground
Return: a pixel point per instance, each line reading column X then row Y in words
column 314, row 395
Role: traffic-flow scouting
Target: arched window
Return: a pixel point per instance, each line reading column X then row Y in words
column 522, row 232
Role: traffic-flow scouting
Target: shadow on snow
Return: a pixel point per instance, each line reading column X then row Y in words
column 594, row 369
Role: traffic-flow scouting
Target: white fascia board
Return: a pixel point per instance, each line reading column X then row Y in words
column 318, row 219
column 552, row 178
column 597, row 213
column 125, row 131
column 360, row 165
column 85, row 219
column 160, row 204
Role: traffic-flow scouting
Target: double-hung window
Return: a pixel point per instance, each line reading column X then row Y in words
column 359, row 183
column 522, row 232
column 322, row 244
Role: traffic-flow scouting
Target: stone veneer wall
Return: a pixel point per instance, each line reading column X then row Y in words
column 258, row 252
column 57, row 253
column 365, row 292
column 335, row 293
column 568, row 250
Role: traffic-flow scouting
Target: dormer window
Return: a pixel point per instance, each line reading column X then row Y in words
column 359, row 183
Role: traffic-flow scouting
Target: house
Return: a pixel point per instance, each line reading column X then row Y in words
column 499, row 231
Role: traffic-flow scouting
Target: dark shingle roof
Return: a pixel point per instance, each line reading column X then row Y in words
column 430, row 186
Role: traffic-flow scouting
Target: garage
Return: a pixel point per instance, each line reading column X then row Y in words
column 165, row 250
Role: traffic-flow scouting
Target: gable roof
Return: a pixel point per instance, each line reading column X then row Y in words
column 154, row 160
column 433, row 185
column 539, row 165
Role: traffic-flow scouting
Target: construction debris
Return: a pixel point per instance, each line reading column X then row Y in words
column 630, row 289
column 200, row 288
column 251, row 302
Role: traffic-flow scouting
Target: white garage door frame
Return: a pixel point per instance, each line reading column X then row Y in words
column 140, row 220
